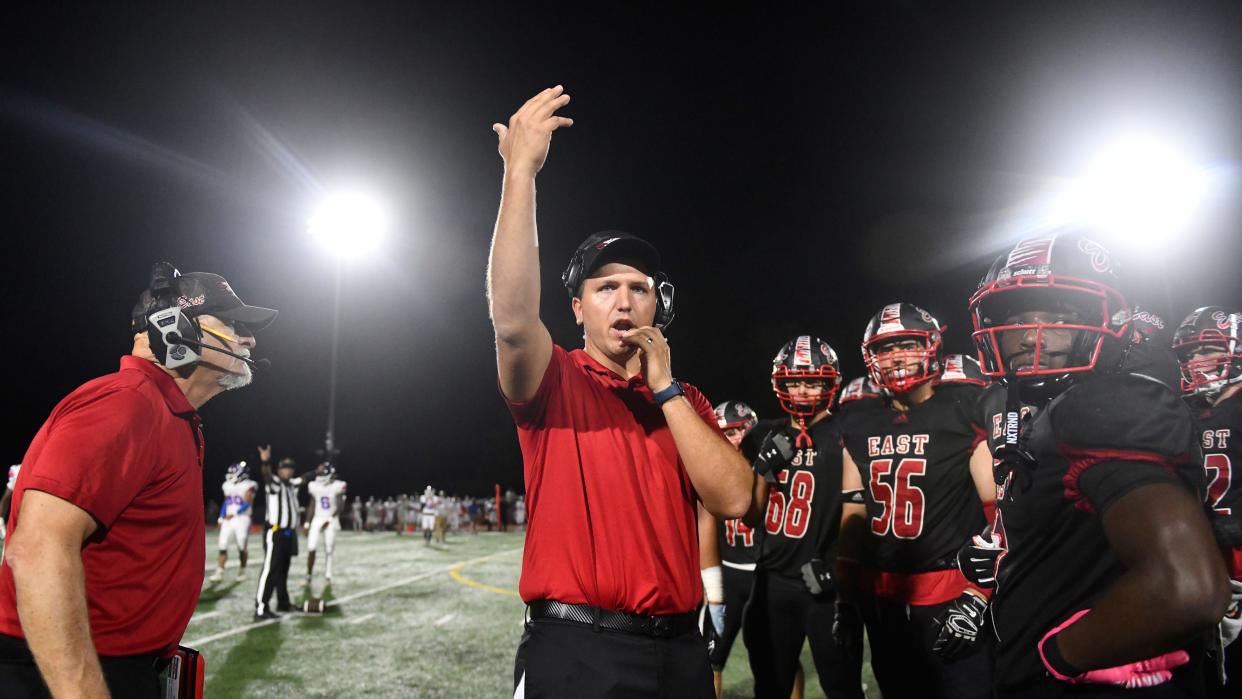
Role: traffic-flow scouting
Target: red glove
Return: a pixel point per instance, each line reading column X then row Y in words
column 1144, row 673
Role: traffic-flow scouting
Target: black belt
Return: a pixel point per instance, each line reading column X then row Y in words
column 662, row 626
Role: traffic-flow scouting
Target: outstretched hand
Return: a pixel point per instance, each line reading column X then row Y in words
column 524, row 142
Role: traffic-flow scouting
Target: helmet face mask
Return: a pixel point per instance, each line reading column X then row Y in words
column 1035, row 324
column 1208, row 345
column 326, row 473
column 236, row 472
column 802, row 365
column 902, row 348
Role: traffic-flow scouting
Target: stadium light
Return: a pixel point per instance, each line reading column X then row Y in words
column 1139, row 190
column 349, row 223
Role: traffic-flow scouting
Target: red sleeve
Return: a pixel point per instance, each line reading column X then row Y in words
column 530, row 412
column 92, row 456
column 702, row 406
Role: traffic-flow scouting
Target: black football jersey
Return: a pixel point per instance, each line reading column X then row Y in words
column 1222, row 450
column 804, row 505
column 1101, row 438
column 739, row 543
column 921, row 501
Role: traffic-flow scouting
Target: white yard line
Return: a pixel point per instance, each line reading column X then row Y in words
column 360, row 619
column 205, row 615
column 198, row 642
column 445, row 619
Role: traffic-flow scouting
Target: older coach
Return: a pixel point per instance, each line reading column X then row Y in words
column 106, row 544
column 617, row 455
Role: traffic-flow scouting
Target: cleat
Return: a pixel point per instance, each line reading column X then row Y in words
column 216, row 576
column 241, row 575
column 269, row 614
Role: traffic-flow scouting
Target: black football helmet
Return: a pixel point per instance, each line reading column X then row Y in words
column 1147, row 326
column 962, row 369
column 734, row 414
column 1074, row 281
column 897, row 322
column 806, row 357
column 1209, row 327
column 859, row 389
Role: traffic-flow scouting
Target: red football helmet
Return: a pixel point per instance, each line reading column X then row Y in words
column 805, row 357
column 889, row 366
column 1210, row 326
column 1069, row 280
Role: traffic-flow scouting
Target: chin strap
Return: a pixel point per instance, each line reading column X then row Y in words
column 803, row 435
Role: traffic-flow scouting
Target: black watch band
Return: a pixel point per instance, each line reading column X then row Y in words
column 674, row 389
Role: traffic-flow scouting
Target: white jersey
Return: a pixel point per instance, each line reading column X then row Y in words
column 235, row 497
column 328, row 497
column 13, row 475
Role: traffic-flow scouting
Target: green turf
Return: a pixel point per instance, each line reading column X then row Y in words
column 404, row 626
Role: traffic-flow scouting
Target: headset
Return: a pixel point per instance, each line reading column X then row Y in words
column 171, row 333
column 572, row 279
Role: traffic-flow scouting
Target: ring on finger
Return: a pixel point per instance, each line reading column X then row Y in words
column 650, row 341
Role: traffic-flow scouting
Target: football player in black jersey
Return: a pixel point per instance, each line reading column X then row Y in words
column 1209, row 349
column 793, row 592
column 916, row 479
column 1108, row 579
column 737, row 544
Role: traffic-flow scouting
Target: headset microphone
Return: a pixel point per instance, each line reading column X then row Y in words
column 258, row 365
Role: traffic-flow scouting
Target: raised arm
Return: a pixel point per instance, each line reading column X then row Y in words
column 523, row 345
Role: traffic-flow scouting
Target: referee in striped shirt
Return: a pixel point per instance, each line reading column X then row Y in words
column 280, row 538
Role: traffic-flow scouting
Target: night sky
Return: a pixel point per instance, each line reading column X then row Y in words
column 797, row 167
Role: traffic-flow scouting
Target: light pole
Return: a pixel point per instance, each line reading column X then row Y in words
column 350, row 224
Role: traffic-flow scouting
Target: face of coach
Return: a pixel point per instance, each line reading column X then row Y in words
column 616, row 298
column 216, row 372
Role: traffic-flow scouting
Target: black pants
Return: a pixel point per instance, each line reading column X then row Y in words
column 901, row 639
column 279, row 546
column 127, row 676
column 737, row 584
column 561, row 659
column 780, row 615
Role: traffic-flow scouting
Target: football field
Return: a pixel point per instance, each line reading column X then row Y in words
column 405, row 620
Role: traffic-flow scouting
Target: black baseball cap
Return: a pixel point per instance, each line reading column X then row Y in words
column 204, row 293
column 610, row 246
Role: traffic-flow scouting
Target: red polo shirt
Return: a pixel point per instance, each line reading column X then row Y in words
column 126, row 448
column 610, row 510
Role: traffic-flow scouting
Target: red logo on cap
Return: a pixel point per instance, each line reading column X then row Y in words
column 187, row 301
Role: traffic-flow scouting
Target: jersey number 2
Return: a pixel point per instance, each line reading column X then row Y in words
column 901, row 502
column 1219, row 468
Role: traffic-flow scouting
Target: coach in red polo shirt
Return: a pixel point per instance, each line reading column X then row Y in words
column 105, row 555
column 617, row 455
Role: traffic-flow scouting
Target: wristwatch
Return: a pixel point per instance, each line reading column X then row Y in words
column 674, row 389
